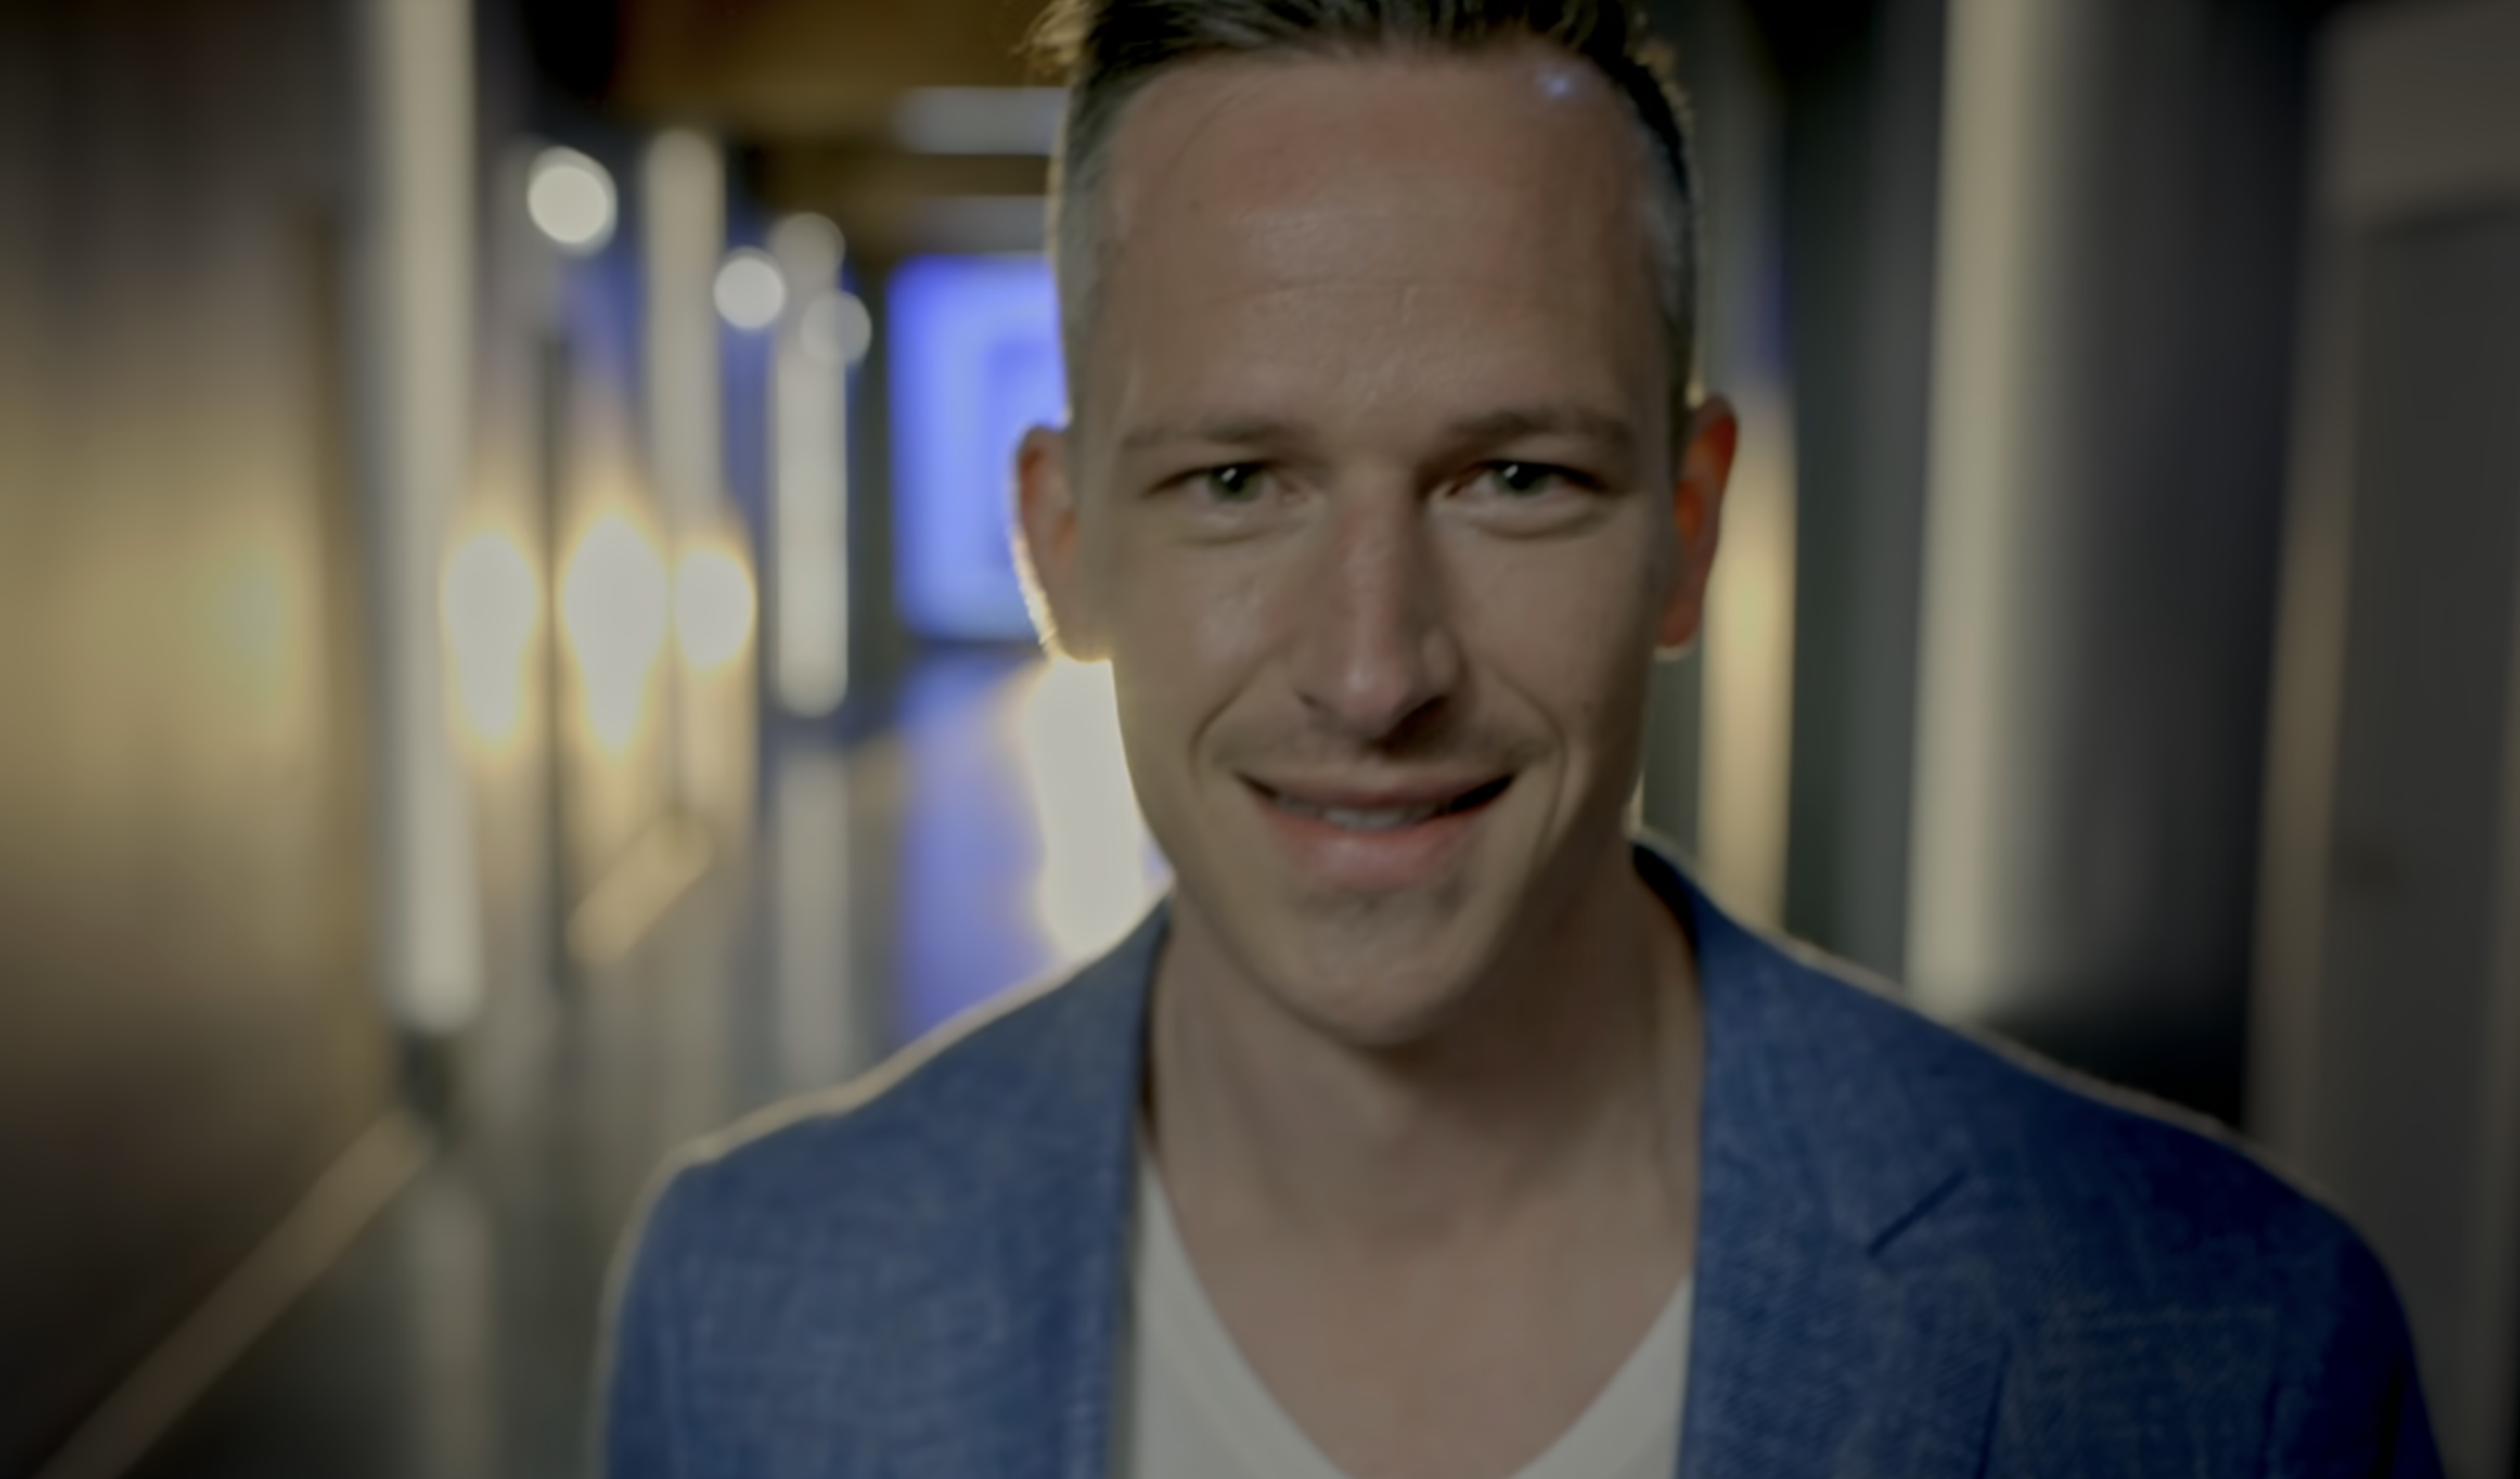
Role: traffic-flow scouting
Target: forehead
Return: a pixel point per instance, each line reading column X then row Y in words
column 1364, row 227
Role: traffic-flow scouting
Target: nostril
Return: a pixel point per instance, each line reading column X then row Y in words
column 1378, row 649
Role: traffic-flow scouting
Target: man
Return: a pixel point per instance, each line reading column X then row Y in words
column 1434, row 1127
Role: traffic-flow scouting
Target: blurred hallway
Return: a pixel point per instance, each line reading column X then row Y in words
column 900, row 881
column 510, row 655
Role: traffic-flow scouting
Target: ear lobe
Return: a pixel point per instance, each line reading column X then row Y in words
column 1697, row 520
column 1046, row 546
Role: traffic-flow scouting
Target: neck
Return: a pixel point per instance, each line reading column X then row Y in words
column 1570, row 1076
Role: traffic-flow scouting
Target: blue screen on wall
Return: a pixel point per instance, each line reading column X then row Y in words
column 974, row 361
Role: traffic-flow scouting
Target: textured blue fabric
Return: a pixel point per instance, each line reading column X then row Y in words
column 1919, row 1254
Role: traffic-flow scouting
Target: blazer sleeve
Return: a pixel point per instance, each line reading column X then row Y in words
column 639, row 1415
column 2351, row 1407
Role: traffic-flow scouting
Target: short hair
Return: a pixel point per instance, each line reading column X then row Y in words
column 1106, row 50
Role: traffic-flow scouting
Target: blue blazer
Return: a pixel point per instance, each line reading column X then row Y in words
column 1917, row 1255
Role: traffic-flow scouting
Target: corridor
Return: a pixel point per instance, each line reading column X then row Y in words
column 898, row 881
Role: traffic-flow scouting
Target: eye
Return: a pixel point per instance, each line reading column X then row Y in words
column 1233, row 483
column 1524, row 480
column 1529, row 499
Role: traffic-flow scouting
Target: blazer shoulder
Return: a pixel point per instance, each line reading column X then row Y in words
column 2100, row 1221
column 971, row 1113
column 838, row 1270
column 2135, row 1199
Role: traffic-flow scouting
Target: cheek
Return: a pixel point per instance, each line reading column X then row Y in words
column 1570, row 628
column 1190, row 632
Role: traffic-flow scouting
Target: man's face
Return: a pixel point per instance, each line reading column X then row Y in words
column 1372, row 502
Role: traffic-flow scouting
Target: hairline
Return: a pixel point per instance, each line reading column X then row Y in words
column 1077, row 234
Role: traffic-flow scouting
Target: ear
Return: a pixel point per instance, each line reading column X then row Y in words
column 1047, row 553
column 1697, row 518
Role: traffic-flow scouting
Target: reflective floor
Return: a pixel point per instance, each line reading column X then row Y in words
column 986, row 840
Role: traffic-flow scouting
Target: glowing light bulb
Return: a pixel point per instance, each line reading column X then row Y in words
column 751, row 292
column 571, row 201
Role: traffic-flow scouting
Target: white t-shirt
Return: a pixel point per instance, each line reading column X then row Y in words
column 1193, row 1409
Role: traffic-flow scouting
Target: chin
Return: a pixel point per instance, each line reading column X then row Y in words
column 1374, row 999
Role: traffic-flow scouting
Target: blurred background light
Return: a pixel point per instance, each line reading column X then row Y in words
column 713, row 606
column 414, row 437
column 1745, row 782
column 571, row 201
column 1098, row 872
column 818, row 917
column 751, row 292
column 974, row 360
column 682, row 235
column 810, row 470
column 613, row 612
column 837, row 329
column 705, row 721
column 809, row 527
column 980, row 120
column 492, row 606
column 807, row 250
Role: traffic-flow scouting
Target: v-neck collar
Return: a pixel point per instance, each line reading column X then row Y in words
column 1172, row 1318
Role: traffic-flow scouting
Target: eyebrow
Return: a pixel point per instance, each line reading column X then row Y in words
column 1569, row 419
column 1228, row 431
column 1486, row 429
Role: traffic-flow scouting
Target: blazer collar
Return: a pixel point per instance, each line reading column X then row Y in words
column 1796, row 1096
column 1065, row 1243
column 1815, row 1346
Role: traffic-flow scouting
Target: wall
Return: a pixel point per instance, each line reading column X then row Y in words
column 1860, row 169
column 2117, row 247
column 2387, row 1009
column 187, row 1037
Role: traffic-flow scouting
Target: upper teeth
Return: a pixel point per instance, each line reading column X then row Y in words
column 1365, row 818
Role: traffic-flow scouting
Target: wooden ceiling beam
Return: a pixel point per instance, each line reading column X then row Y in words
column 810, row 70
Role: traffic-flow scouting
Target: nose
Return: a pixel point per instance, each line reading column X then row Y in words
column 1375, row 649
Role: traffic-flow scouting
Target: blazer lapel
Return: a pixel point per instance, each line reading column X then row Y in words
column 1063, row 1237
column 1809, row 1360
column 1824, row 1339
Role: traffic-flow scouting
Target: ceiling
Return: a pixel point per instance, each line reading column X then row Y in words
column 806, row 91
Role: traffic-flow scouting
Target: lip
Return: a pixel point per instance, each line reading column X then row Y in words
column 1383, row 859
column 1420, row 791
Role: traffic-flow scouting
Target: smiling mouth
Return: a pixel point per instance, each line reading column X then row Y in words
column 1374, row 819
